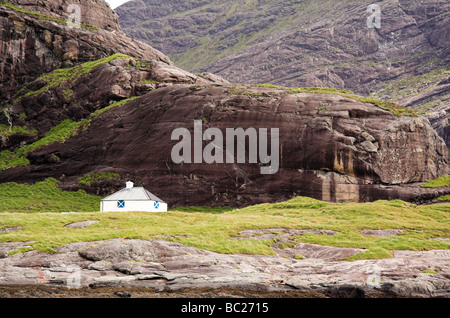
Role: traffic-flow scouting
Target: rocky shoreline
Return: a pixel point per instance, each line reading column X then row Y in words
column 164, row 269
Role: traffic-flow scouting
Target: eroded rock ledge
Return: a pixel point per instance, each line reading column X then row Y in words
column 167, row 267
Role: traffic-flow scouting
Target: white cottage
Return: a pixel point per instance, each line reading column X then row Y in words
column 132, row 199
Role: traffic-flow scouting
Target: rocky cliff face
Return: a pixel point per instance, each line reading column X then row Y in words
column 33, row 44
column 116, row 113
column 309, row 43
column 92, row 12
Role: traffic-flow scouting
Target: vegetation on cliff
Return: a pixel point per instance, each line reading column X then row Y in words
column 56, row 134
column 59, row 78
column 394, row 108
column 442, row 181
column 93, row 178
column 66, row 77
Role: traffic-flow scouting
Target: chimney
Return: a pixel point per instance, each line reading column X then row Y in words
column 130, row 185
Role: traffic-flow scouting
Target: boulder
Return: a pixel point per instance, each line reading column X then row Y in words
column 80, row 225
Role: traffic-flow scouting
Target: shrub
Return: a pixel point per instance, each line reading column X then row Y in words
column 93, row 178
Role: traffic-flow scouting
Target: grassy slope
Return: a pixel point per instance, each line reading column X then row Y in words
column 442, row 181
column 215, row 229
column 66, row 77
column 444, row 198
column 44, row 196
column 60, row 133
column 58, row 78
column 57, row 134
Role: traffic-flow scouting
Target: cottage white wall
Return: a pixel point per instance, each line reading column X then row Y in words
column 132, row 206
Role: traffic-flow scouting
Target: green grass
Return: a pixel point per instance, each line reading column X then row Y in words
column 5, row 131
column 41, row 16
column 374, row 252
column 66, row 77
column 68, row 94
column 444, row 198
column 145, row 65
column 442, row 181
column 215, row 229
column 44, row 196
column 93, row 178
column 56, row 134
column 319, row 90
column 395, row 109
column 251, row 94
column 150, row 81
column 85, row 123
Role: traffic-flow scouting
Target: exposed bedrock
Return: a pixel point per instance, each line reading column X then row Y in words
column 31, row 46
column 170, row 267
column 352, row 151
column 331, row 147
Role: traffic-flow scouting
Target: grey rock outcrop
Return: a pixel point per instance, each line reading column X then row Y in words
column 170, row 266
